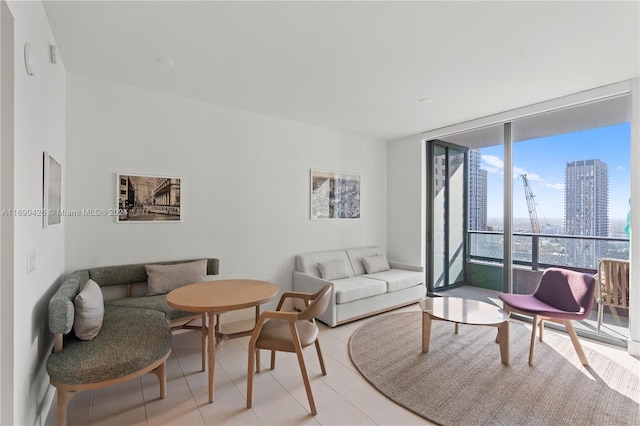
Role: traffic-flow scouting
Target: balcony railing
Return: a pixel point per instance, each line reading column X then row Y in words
column 545, row 250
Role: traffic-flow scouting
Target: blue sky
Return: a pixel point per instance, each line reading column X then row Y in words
column 544, row 161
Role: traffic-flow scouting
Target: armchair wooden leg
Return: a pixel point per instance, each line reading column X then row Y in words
column 600, row 312
column 541, row 328
column 324, row 370
column 576, row 342
column 252, row 351
column 536, row 321
column 303, row 369
column 273, row 360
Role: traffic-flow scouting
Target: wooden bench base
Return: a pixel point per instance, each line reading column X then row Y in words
column 66, row 391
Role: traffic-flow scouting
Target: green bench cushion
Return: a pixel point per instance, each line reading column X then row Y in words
column 130, row 340
column 158, row 303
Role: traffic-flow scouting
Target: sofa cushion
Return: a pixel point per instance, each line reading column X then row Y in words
column 164, row 278
column 334, row 270
column 373, row 264
column 308, row 262
column 355, row 257
column 359, row 287
column 398, row 279
column 89, row 311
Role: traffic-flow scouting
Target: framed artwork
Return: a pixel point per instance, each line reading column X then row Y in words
column 51, row 191
column 334, row 195
column 143, row 198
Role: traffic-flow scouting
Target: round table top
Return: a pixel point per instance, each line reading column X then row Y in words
column 463, row 311
column 222, row 295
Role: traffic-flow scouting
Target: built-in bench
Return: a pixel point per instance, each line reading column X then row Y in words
column 134, row 337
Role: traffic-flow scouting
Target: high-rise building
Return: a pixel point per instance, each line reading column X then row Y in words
column 586, row 210
column 586, row 198
column 477, row 196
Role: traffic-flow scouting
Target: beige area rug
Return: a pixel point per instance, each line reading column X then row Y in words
column 461, row 380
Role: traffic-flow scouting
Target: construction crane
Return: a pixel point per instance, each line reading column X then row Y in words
column 533, row 215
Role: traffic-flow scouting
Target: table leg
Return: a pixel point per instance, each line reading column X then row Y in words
column 258, row 350
column 426, row 331
column 204, row 341
column 211, row 354
column 503, row 337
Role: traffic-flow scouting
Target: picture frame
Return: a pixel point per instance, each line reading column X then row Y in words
column 51, row 191
column 334, row 195
column 148, row 198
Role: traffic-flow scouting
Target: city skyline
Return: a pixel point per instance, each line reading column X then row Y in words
column 544, row 162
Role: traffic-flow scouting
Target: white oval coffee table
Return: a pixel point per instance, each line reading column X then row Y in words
column 465, row 311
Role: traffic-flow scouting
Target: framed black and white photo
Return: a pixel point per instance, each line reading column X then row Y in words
column 51, row 191
column 335, row 195
column 144, row 198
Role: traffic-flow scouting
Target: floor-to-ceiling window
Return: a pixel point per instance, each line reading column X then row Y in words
column 566, row 185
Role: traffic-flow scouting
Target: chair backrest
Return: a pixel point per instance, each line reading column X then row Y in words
column 613, row 283
column 319, row 303
column 567, row 290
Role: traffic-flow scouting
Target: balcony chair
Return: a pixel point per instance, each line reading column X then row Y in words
column 288, row 332
column 612, row 288
column 561, row 296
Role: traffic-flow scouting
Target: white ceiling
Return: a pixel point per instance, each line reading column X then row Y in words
column 359, row 67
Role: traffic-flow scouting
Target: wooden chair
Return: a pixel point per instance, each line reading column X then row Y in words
column 288, row 332
column 561, row 296
column 612, row 288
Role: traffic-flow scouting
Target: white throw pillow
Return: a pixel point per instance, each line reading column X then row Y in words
column 164, row 278
column 89, row 311
column 334, row 270
column 373, row 264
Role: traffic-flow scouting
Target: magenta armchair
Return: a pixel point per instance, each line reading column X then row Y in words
column 562, row 296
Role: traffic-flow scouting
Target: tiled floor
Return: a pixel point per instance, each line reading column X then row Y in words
column 343, row 397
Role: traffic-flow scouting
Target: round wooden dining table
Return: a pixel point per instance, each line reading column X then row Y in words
column 215, row 297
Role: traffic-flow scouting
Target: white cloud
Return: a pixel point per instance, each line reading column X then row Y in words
column 622, row 169
column 556, row 186
column 493, row 164
column 518, row 171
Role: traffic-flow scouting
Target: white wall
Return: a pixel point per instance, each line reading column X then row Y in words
column 39, row 125
column 245, row 188
column 406, row 224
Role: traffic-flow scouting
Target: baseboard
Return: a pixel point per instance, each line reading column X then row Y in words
column 633, row 348
column 47, row 406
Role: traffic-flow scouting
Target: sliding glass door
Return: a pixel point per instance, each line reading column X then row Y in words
column 446, row 220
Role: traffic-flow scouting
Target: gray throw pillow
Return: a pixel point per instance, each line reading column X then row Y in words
column 164, row 278
column 334, row 270
column 89, row 311
column 373, row 264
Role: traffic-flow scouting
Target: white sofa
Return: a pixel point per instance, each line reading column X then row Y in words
column 363, row 282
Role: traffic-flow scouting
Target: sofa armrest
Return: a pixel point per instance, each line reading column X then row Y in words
column 400, row 265
column 61, row 309
column 306, row 283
